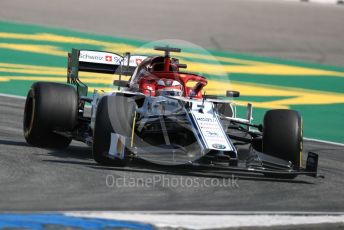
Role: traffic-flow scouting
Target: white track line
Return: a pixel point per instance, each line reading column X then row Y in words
column 212, row 221
column 308, row 139
column 12, row 96
column 321, row 141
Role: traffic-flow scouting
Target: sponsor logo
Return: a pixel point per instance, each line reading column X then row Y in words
column 91, row 57
column 205, row 119
column 108, row 58
column 100, row 57
column 212, row 134
column 138, row 61
column 218, row 146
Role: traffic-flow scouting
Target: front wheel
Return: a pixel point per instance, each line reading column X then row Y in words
column 282, row 135
column 114, row 115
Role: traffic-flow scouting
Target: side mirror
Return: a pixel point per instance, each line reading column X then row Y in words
column 121, row 83
column 184, row 66
column 231, row 93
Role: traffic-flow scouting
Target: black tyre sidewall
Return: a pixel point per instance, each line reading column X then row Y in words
column 282, row 135
column 54, row 107
column 114, row 115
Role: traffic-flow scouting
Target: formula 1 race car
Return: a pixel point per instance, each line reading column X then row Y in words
column 161, row 115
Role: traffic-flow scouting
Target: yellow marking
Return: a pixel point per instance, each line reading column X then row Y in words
column 22, row 66
column 202, row 68
column 266, row 69
column 59, row 39
column 56, row 79
column 132, row 130
column 254, row 67
column 33, row 71
column 104, row 89
column 298, row 96
column 109, row 46
column 41, row 49
column 54, row 71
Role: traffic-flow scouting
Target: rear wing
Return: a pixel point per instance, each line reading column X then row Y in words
column 99, row 62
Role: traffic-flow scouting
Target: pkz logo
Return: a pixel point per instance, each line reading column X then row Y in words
column 218, row 146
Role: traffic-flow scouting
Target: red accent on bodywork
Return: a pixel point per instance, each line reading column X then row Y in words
column 148, row 87
column 167, row 63
column 148, row 83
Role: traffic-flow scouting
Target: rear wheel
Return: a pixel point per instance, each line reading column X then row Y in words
column 114, row 115
column 49, row 107
column 282, row 135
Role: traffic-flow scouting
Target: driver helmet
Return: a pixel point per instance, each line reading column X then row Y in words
column 169, row 87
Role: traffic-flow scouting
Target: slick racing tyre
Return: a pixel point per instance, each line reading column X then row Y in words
column 50, row 107
column 114, row 114
column 282, row 135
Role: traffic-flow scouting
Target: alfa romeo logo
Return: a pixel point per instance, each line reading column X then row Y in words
column 218, row 146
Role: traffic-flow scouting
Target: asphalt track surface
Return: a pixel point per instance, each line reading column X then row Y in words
column 46, row 180
column 293, row 30
column 43, row 179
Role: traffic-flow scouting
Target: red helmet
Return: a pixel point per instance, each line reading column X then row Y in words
column 169, row 87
